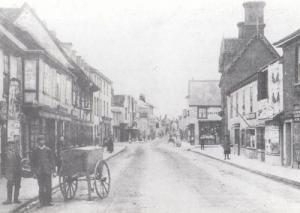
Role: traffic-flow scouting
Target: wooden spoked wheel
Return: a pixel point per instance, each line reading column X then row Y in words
column 68, row 186
column 102, row 179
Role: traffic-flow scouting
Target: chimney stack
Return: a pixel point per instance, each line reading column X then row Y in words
column 254, row 20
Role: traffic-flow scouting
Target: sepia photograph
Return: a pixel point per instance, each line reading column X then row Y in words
column 149, row 106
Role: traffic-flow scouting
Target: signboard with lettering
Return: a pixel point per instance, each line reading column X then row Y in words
column 296, row 115
column 273, row 105
column 251, row 116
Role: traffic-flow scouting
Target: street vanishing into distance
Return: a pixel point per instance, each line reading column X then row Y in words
column 159, row 177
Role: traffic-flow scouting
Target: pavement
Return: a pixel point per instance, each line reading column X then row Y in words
column 285, row 175
column 159, row 177
column 29, row 186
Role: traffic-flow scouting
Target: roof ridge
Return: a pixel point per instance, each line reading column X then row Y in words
column 243, row 50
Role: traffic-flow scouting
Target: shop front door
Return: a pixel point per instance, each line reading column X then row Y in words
column 237, row 140
column 287, row 145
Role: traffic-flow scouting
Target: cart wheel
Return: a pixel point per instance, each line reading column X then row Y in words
column 102, row 179
column 68, row 186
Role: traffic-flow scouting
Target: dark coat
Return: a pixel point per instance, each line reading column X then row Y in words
column 13, row 168
column 43, row 161
column 227, row 148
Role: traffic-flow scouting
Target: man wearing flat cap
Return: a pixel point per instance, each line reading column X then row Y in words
column 43, row 165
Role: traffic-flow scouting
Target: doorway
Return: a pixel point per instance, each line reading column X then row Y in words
column 287, row 145
column 237, row 140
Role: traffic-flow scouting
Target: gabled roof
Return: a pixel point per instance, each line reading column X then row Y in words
column 9, row 15
column 248, row 45
column 204, row 93
column 96, row 71
column 229, row 48
column 289, row 38
column 22, row 35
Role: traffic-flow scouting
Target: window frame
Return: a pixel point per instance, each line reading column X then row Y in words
column 204, row 113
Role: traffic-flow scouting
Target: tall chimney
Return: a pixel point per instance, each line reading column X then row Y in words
column 254, row 20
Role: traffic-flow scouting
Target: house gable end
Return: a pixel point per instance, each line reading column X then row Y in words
column 29, row 22
column 253, row 58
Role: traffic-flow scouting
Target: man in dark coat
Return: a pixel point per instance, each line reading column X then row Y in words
column 43, row 165
column 110, row 146
column 226, row 146
column 13, row 172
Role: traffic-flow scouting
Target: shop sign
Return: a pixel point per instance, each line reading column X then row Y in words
column 236, row 125
column 296, row 116
column 251, row 116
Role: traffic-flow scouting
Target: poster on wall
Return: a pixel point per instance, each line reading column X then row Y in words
column 14, row 99
column 272, row 140
column 13, row 129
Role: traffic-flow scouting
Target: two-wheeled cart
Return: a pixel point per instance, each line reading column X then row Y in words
column 84, row 164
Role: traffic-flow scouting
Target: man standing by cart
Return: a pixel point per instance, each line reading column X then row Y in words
column 43, row 165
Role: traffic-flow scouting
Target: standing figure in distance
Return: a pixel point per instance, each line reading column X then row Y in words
column 43, row 165
column 13, row 172
column 226, row 146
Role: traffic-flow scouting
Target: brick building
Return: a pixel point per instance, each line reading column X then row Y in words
column 243, row 56
column 291, row 98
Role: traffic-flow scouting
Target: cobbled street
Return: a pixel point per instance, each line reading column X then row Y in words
column 158, row 177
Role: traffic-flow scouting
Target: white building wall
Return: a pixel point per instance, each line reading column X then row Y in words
column 1, row 74
column 246, row 118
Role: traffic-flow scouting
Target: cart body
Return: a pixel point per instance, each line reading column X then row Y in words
column 84, row 164
column 79, row 161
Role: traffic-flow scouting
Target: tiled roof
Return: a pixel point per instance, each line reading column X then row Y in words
column 21, row 35
column 229, row 48
column 206, row 93
column 288, row 38
column 118, row 100
column 233, row 45
column 10, row 13
column 247, row 45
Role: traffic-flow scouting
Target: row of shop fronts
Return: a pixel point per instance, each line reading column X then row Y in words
column 43, row 89
column 259, row 91
column 264, row 109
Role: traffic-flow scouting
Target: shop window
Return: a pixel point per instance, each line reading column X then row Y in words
column 262, row 85
column 202, row 112
column 261, row 138
column 250, row 138
column 30, row 74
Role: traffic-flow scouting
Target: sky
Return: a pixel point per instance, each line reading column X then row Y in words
column 154, row 47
